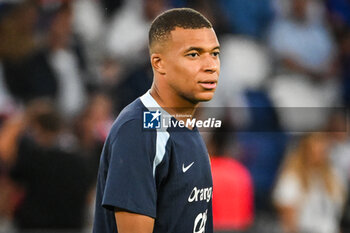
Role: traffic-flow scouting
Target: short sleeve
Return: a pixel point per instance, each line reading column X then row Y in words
column 130, row 184
column 287, row 191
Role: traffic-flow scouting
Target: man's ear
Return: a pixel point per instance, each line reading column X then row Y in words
column 158, row 63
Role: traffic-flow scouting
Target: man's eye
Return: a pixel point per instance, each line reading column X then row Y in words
column 216, row 54
column 192, row 55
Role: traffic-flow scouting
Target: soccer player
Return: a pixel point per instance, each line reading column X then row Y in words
column 159, row 180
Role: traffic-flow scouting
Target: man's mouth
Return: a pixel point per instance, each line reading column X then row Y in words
column 208, row 85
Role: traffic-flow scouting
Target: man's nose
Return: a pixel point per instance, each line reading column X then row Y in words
column 211, row 64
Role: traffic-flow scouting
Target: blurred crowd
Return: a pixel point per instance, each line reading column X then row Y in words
column 68, row 67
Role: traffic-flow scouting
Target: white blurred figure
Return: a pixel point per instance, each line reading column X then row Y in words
column 89, row 24
column 7, row 103
column 301, row 103
column 305, row 52
column 127, row 34
column 245, row 65
column 309, row 194
column 301, row 41
column 71, row 96
column 88, row 20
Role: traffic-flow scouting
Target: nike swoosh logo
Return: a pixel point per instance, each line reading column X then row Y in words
column 184, row 169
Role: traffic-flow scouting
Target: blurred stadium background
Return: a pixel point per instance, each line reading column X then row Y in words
column 67, row 68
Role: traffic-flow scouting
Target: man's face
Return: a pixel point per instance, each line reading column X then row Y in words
column 192, row 64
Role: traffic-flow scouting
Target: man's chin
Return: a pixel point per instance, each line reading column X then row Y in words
column 205, row 97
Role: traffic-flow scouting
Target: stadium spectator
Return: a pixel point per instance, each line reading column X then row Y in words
column 91, row 128
column 233, row 194
column 51, row 69
column 309, row 194
column 302, row 44
column 50, row 171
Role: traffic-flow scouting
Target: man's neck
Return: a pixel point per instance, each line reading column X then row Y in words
column 175, row 105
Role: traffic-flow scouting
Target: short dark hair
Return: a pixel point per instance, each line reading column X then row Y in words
column 166, row 22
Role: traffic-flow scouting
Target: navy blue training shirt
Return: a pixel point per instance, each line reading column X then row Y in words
column 164, row 174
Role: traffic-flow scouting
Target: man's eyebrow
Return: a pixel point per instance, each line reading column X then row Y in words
column 198, row 49
column 194, row 48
